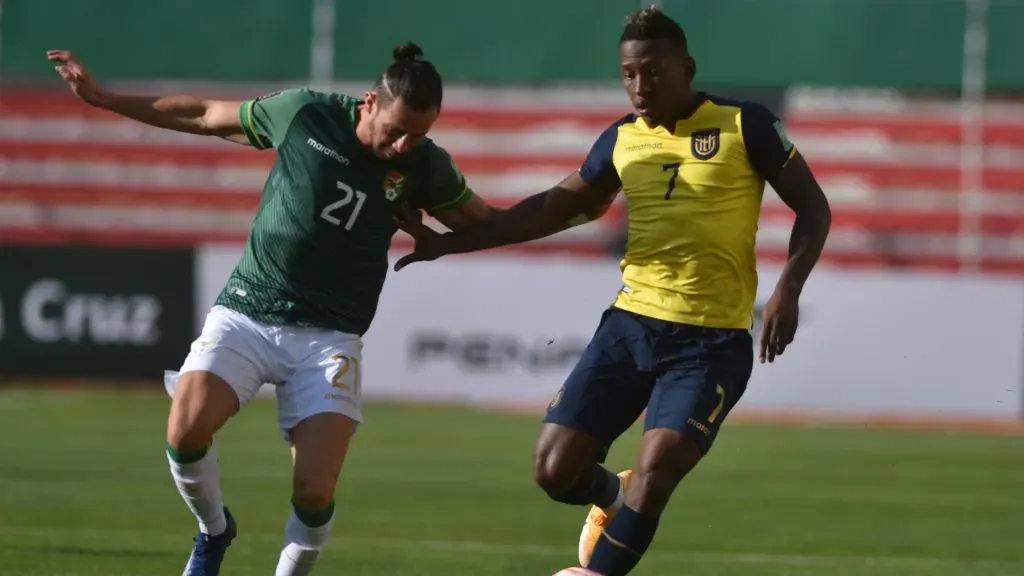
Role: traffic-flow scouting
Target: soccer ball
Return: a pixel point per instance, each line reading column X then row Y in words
column 577, row 571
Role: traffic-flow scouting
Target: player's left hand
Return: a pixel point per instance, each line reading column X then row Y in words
column 74, row 72
column 429, row 244
column 780, row 318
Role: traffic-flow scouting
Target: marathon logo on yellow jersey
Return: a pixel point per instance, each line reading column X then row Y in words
column 704, row 144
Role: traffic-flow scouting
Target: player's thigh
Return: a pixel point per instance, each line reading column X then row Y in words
column 606, row 391
column 701, row 378
column 702, row 374
column 319, row 447
column 224, row 368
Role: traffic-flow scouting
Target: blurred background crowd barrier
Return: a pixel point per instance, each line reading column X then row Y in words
column 116, row 237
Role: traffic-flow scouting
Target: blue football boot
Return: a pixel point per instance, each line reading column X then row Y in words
column 209, row 550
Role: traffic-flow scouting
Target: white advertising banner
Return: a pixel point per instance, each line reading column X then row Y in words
column 509, row 329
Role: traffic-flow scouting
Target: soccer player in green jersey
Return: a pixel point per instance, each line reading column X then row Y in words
column 306, row 288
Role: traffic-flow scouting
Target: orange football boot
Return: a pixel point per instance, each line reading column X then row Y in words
column 597, row 519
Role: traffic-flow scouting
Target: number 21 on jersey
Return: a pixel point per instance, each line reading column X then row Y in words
column 329, row 212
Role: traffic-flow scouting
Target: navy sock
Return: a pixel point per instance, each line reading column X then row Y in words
column 595, row 485
column 623, row 543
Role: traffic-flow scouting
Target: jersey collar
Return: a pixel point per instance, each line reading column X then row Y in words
column 702, row 99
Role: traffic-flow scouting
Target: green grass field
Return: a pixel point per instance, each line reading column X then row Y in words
column 84, row 490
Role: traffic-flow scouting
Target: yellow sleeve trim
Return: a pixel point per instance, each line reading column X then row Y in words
column 578, row 220
column 792, row 154
column 249, row 126
column 459, row 200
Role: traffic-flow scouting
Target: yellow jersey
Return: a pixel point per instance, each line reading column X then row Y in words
column 694, row 198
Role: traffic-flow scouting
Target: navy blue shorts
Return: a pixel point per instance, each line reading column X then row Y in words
column 687, row 377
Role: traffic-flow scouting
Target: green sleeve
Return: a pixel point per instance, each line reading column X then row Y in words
column 448, row 189
column 265, row 120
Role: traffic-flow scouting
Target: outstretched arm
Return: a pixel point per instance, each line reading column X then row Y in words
column 179, row 113
column 572, row 202
column 583, row 196
column 453, row 203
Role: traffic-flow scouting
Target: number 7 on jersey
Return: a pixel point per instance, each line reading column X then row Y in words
column 674, row 167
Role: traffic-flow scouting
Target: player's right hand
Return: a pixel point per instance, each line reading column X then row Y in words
column 429, row 245
column 77, row 76
column 780, row 318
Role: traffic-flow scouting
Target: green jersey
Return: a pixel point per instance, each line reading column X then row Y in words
column 317, row 252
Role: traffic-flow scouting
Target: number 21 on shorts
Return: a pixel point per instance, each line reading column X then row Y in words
column 329, row 211
column 347, row 365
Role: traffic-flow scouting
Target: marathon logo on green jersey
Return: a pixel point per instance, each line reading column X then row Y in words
column 327, row 151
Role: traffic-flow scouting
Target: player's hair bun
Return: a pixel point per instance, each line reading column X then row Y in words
column 408, row 52
column 411, row 79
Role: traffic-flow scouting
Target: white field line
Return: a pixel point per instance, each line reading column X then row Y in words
column 341, row 541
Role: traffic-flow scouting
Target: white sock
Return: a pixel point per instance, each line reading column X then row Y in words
column 302, row 546
column 199, row 484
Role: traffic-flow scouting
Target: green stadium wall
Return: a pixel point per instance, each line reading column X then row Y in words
column 909, row 44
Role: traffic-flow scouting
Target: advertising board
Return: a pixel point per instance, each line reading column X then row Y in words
column 89, row 312
column 507, row 330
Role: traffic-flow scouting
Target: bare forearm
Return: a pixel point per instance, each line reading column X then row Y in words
column 528, row 220
column 179, row 113
column 810, row 231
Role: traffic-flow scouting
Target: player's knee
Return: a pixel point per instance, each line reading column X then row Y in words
column 313, row 499
column 187, row 431
column 559, row 459
column 184, row 439
column 202, row 404
column 314, row 493
column 665, row 459
column 552, row 473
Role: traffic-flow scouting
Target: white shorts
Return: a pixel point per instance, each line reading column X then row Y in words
column 313, row 370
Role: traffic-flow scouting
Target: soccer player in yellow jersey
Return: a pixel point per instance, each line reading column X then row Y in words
column 677, row 340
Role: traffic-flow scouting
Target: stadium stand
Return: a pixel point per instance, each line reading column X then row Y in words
column 890, row 165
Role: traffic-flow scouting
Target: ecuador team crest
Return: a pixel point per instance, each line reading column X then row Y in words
column 557, row 398
column 393, row 183
column 704, row 144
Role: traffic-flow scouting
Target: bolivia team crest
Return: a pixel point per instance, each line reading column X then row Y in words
column 393, row 183
column 704, row 144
